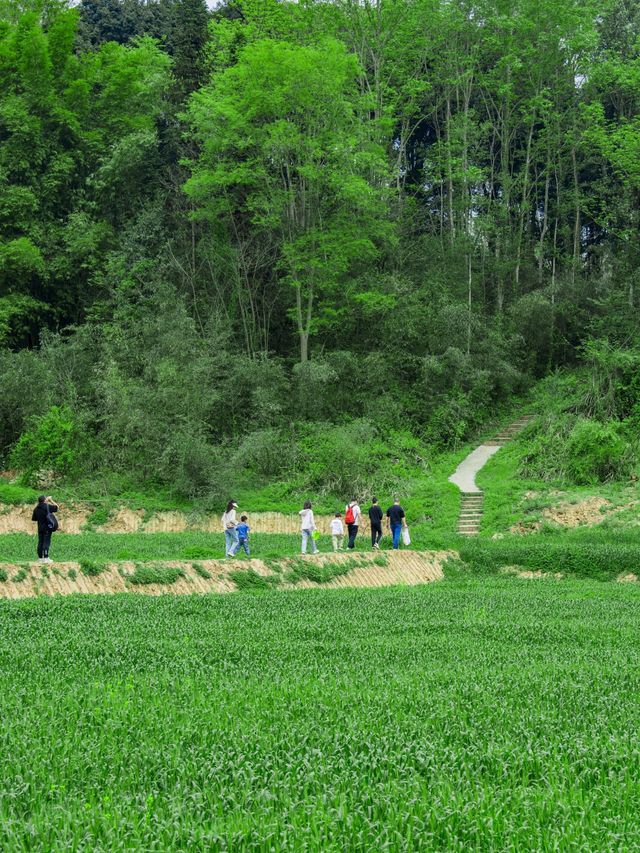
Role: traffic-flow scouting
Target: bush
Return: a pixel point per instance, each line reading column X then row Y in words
column 596, row 452
column 92, row 569
column 54, row 442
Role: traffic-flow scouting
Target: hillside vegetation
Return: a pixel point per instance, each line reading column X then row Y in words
column 284, row 250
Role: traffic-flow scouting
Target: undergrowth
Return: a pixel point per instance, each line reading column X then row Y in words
column 152, row 573
column 91, row 568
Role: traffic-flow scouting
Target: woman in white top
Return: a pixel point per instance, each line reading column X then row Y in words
column 308, row 525
column 229, row 526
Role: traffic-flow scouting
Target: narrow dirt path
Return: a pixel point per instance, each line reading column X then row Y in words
column 464, row 477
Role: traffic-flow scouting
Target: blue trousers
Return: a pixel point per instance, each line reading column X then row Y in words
column 231, row 542
column 243, row 543
column 396, row 530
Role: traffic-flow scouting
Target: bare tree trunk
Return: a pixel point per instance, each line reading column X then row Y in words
column 469, row 298
column 545, row 215
column 577, row 226
column 452, row 228
column 523, row 207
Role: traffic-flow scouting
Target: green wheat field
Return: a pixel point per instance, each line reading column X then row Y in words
column 474, row 714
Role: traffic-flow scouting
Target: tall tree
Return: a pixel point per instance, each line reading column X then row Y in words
column 284, row 154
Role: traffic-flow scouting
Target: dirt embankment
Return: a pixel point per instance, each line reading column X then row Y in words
column 74, row 519
column 588, row 512
column 407, row 568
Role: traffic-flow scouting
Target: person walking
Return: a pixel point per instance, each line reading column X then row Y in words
column 352, row 516
column 307, row 526
column 337, row 531
column 375, row 520
column 397, row 520
column 43, row 514
column 242, row 530
column 229, row 525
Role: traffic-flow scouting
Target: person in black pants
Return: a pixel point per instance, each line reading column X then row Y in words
column 42, row 514
column 375, row 518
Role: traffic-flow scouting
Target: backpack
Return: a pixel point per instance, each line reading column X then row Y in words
column 349, row 517
column 52, row 521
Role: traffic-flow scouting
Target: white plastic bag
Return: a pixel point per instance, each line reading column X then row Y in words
column 406, row 539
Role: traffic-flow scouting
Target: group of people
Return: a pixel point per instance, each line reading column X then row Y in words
column 353, row 518
column 236, row 532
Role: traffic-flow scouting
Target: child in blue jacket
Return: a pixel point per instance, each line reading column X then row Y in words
column 242, row 530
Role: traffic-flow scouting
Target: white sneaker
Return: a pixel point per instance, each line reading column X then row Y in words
column 41, row 559
column 47, row 560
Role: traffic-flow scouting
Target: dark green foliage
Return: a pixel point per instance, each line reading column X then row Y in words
column 21, row 575
column 54, row 441
column 3, row 575
column 301, row 246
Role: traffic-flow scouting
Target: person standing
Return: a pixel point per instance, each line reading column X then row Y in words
column 307, row 526
column 229, row 525
column 396, row 517
column 47, row 525
column 352, row 516
column 375, row 519
column 337, row 531
column 242, row 530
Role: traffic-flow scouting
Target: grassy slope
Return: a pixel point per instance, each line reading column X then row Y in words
column 431, row 502
column 441, row 717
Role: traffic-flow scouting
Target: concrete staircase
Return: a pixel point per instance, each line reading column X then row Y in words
column 509, row 432
column 472, row 500
column 471, row 506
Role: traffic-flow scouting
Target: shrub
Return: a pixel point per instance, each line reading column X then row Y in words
column 91, row 568
column 596, row 452
column 55, row 442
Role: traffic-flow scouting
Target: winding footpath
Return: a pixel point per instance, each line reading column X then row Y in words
column 464, row 477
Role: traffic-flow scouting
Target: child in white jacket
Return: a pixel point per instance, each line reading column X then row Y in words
column 337, row 531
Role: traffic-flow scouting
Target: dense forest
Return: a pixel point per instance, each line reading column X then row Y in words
column 282, row 240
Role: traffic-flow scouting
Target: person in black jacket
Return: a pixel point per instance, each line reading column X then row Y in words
column 375, row 517
column 47, row 523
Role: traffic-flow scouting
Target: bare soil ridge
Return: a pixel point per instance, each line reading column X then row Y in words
column 407, row 568
column 74, row 519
